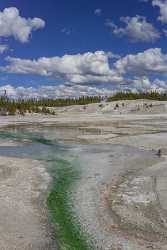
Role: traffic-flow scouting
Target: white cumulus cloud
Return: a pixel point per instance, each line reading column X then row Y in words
column 137, row 29
column 151, row 61
column 162, row 4
column 98, row 12
column 85, row 71
column 3, row 48
column 145, row 84
column 59, row 91
column 84, row 68
column 12, row 24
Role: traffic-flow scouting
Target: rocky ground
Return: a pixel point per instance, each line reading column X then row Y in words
column 23, row 220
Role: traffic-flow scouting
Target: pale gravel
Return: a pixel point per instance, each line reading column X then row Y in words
column 23, row 215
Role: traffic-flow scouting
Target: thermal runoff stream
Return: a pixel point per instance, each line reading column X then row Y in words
column 61, row 163
column 74, row 196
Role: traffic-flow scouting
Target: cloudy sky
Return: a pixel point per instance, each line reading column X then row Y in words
column 71, row 48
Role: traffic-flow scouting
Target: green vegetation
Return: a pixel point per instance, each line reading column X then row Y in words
column 12, row 107
column 60, row 102
column 134, row 96
column 68, row 231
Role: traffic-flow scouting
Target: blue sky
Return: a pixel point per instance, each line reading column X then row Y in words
column 80, row 45
column 88, row 31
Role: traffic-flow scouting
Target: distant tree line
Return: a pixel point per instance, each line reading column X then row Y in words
column 22, row 106
column 153, row 95
column 62, row 102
